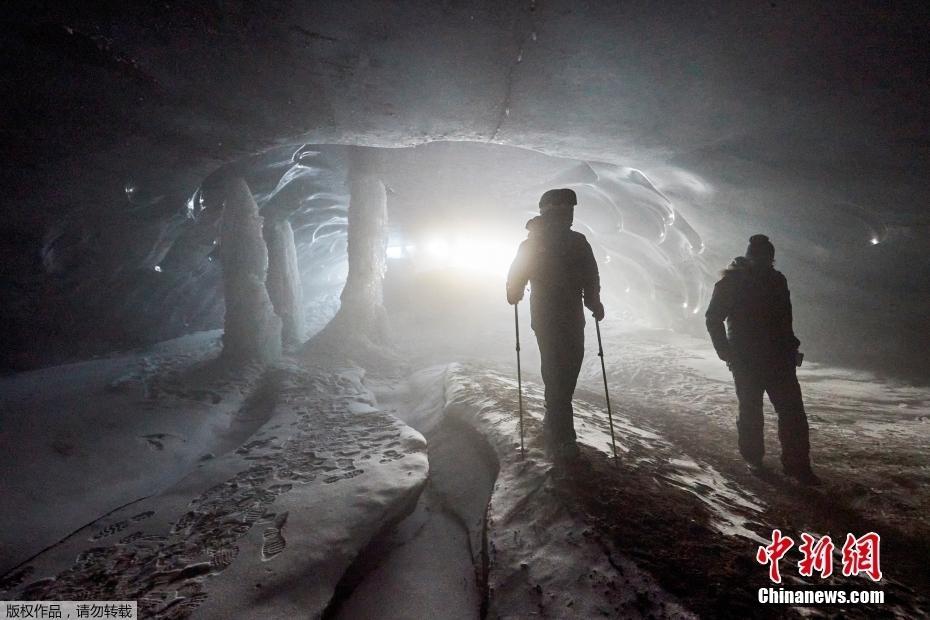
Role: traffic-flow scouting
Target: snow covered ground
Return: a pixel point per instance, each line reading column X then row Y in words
column 542, row 559
column 869, row 440
column 269, row 527
column 301, row 491
column 429, row 566
column 869, row 436
column 678, row 505
column 80, row 440
column 681, row 503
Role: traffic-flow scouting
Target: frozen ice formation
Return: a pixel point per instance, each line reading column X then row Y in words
column 252, row 329
column 283, row 280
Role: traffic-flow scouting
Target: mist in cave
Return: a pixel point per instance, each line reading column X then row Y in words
column 259, row 361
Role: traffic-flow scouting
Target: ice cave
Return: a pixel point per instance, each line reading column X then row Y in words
column 258, row 357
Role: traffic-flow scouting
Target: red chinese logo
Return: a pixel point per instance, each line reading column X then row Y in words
column 817, row 556
column 860, row 555
column 774, row 552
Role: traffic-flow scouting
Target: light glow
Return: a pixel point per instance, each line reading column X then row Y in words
column 463, row 253
column 437, row 249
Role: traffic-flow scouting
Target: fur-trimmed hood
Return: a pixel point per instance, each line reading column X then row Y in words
column 739, row 264
column 743, row 265
column 542, row 225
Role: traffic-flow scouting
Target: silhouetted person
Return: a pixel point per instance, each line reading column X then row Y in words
column 560, row 267
column 761, row 350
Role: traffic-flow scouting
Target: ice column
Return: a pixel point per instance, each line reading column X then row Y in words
column 283, row 279
column 252, row 330
column 362, row 309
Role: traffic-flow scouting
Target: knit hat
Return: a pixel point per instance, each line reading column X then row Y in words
column 760, row 248
column 557, row 198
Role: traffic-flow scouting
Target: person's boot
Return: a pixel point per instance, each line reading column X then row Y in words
column 804, row 475
column 549, row 441
column 808, row 478
column 564, row 451
column 568, row 450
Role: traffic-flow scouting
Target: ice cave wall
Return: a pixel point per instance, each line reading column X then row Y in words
column 809, row 123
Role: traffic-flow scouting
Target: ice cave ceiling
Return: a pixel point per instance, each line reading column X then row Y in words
column 686, row 127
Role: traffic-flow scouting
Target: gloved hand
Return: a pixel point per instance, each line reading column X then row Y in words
column 514, row 296
column 597, row 310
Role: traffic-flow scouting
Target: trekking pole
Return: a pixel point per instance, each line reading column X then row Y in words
column 516, row 322
column 610, row 417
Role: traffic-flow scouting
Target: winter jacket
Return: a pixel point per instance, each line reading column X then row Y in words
column 560, row 267
column 756, row 305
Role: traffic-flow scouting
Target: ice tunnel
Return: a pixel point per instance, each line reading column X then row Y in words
column 255, row 326
column 459, row 207
column 681, row 144
column 456, row 213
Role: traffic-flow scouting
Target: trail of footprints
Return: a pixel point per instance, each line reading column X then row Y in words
column 166, row 572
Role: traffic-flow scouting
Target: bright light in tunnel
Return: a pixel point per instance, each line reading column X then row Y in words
column 874, row 240
column 469, row 254
column 482, row 256
column 437, row 249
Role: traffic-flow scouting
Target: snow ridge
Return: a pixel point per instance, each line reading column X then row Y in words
column 541, row 556
column 270, row 527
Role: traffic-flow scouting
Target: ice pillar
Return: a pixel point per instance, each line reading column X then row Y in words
column 362, row 308
column 359, row 331
column 252, row 330
column 283, row 280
